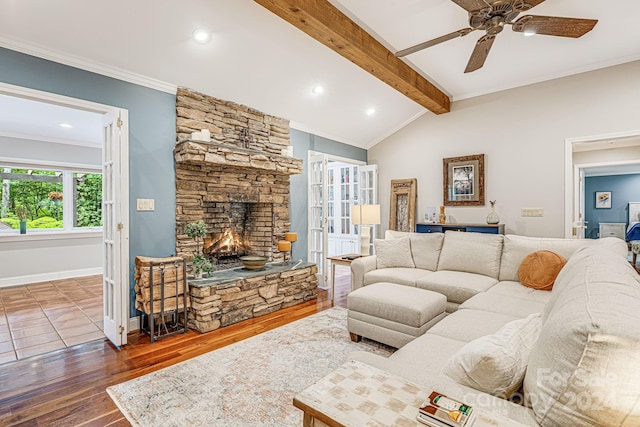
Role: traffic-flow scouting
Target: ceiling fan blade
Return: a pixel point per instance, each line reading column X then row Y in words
column 554, row 25
column 480, row 53
column 438, row 40
column 471, row 5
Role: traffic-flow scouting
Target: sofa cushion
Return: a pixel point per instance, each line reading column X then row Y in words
column 467, row 325
column 539, row 269
column 516, row 289
column 402, row 276
column 516, row 248
column 583, row 370
column 457, row 286
column 503, row 303
column 471, row 252
column 425, row 247
column 393, row 253
column 496, row 364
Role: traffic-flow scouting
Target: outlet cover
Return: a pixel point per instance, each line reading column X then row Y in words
column 532, row 212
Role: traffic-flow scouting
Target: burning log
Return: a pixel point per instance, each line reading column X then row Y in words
column 227, row 244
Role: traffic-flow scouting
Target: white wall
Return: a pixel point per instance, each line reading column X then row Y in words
column 522, row 133
column 31, row 258
column 30, row 261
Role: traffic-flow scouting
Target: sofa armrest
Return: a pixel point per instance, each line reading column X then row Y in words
column 359, row 267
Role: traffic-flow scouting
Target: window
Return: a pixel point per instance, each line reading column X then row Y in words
column 49, row 199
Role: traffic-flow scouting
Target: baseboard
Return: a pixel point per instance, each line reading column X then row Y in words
column 134, row 324
column 45, row 277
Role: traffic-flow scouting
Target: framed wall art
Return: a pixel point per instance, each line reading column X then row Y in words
column 603, row 199
column 463, row 180
column 402, row 216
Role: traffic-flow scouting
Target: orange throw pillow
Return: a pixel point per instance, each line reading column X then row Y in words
column 539, row 269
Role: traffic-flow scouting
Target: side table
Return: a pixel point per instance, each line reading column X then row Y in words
column 345, row 260
column 357, row 394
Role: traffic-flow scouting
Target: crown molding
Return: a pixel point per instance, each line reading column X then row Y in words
column 85, row 64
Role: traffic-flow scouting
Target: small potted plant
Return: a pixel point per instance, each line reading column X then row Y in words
column 22, row 213
column 197, row 230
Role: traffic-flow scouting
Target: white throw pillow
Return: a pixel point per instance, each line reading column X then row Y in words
column 393, row 253
column 496, row 364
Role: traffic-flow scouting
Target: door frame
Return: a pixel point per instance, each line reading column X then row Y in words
column 122, row 174
column 329, row 158
column 574, row 196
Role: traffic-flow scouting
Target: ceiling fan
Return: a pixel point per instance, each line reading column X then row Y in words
column 492, row 16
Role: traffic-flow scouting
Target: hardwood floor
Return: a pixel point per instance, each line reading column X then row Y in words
column 67, row 387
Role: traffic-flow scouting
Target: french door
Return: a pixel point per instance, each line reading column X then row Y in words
column 330, row 206
column 115, row 235
column 318, row 236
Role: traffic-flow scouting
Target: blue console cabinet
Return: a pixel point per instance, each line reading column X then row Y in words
column 472, row 228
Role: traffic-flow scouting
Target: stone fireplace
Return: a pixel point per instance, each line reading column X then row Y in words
column 238, row 184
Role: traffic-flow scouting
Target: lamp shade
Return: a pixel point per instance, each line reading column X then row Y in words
column 365, row 214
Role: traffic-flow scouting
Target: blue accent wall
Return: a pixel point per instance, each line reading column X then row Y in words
column 152, row 135
column 624, row 189
column 302, row 143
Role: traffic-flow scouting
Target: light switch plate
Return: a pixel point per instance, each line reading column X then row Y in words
column 532, row 212
column 145, row 204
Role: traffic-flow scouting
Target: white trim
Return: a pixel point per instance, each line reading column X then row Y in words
column 87, row 65
column 395, row 129
column 134, row 324
column 45, row 277
column 571, row 178
column 72, row 167
column 50, row 234
column 39, row 138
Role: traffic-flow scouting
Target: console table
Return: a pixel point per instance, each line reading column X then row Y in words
column 357, row 394
column 475, row 228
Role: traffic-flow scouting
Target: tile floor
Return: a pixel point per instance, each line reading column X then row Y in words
column 42, row 317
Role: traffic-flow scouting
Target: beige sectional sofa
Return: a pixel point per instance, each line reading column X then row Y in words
column 571, row 354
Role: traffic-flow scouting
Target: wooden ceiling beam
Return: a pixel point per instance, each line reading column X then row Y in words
column 325, row 23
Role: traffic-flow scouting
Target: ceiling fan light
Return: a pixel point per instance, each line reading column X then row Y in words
column 529, row 33
column 201, row 36
column 317, row 90
column 370, row 111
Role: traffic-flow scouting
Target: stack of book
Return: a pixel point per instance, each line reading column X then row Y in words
column 439, row 410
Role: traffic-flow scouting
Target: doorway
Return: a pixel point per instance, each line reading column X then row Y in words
column 115, row 210
column 335, row 185
column 609, row 154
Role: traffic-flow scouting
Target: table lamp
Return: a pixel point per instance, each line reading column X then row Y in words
column 365, row 216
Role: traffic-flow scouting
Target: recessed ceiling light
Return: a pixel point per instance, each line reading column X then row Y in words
column 65, row 125
column 201, row 36
column 317, row 90
column 371, row 111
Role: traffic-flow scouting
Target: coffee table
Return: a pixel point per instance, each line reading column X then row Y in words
column 357, row 394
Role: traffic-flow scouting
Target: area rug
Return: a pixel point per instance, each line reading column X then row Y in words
column 249, row 383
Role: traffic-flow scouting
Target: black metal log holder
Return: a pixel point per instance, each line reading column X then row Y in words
column 169, row 320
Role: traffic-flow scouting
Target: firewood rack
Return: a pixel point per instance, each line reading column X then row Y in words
column 166, row 314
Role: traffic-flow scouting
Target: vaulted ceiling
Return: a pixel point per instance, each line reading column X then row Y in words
column 258, row 59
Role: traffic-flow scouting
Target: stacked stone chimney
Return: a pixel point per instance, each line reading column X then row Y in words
column 242, row 169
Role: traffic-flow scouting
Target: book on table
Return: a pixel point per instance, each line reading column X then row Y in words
column 439, row 410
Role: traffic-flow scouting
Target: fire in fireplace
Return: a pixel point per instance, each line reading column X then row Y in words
column 226, row 248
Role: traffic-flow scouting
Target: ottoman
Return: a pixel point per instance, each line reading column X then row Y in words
column 393, row 314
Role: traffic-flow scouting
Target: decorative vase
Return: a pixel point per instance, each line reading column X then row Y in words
column 493, row 217
column 443, row 217
column 23, row 227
